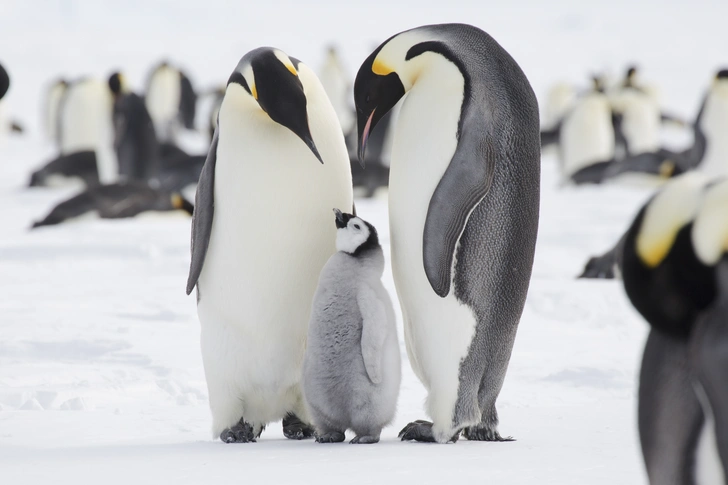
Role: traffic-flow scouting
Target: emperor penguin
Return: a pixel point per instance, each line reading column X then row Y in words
column 560, row 98
column 675, row 273
column 171, row 101
column 351, row 369
column 463, row 212
column 337, row 84
column 261, row 234
column 713, row 123
column 587, row 137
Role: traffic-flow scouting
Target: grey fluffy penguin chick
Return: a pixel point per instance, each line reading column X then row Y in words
column 351, row 368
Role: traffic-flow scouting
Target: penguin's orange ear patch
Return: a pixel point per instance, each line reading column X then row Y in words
column 380, row 68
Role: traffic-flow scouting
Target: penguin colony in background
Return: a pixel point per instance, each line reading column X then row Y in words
column 605, row 134
column 675, row 270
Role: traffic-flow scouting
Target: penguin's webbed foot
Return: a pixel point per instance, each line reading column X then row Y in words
column 364, row 440
column 482, row 432
column 421, row 431
column 330, row 437
column 295, row 429
column 240, row 433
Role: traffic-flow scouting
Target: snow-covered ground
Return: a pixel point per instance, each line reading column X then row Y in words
column 101, row 378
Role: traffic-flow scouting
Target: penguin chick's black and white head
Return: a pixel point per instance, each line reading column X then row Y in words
column 354, row 235
column 270, row 78
column 4, row 81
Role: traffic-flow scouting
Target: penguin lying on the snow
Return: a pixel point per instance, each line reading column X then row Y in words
column 351, row 368
column 115, row 201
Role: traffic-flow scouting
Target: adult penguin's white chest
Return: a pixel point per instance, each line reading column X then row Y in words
column 438, row 330
column 714, row 124
column 163, row 98
column 272, row 232
column 641, row 123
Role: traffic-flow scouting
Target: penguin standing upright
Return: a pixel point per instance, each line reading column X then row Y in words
column 337, row 84
column 171, row 101
column 351, row 370
column 675, row 272
column 463, row 208
column 260, row 235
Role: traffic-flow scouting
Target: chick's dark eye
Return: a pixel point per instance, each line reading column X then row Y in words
column 356, row 226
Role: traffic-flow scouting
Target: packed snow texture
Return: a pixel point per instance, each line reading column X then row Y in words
column 101, row 378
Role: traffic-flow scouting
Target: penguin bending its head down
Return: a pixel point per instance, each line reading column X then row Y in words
column 278, row 156
column 463, row 207
column 351, row 370
column 675, row 272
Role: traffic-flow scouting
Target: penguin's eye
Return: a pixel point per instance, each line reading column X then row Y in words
column 356, row 226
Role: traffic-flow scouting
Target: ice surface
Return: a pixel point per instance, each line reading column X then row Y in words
column 101, row 378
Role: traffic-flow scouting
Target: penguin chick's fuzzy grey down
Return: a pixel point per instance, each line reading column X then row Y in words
column 351, row 369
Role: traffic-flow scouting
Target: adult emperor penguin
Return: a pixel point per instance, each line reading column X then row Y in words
column 171, row 101
column 337, row 84
column 675, row 273
column 261, row 234
column 463, row 207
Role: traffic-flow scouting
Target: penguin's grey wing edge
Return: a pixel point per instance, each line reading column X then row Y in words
column 373, row 333
column 202, row 217
column 463, row 185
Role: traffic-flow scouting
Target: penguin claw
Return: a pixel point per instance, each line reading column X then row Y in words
column 240, row 433
column 421, row 431
column 295, row 429
column 484, row 433
column 331, row 437
column 364, row 440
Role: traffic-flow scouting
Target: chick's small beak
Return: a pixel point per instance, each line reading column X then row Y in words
column 340, row 222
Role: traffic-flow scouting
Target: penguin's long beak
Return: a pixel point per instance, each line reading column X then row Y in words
column 365, row 137
column 308, row 140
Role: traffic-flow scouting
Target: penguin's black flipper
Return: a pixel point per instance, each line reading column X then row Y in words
column 187, row 102
column 670, row 417
column 75, row 206
column 202, row 219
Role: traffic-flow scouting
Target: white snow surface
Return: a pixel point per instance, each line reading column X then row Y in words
column 101, row 378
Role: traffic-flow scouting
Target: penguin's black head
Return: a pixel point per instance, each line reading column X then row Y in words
column 376, row 90
column 272, row 79
column 354, row 235
column 116, row 83
column 597, row 84
column 722, row 74
column 4, row 81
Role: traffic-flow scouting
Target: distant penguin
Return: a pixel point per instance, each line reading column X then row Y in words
column 640, row 113
column 171, row 101
column 587, row 139
column 217, row 97
column 675, row 272
column 135, row 141
column 51, row 110
column 559, row 101
column 463, row 208
column 4, row 87
column 714, row 125
column 261, row 234
column 116, row 201
column 351, row 369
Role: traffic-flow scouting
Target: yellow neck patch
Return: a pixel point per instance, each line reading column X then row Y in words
column 290, row 67
column 380, row 69
column 176, row 201
column 652, row 253
column 254, row 92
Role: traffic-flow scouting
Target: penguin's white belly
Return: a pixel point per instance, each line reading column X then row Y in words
column 587, row 135
column 714, row 124
column 86, row 125
column 438, row 331
column 272, row 233
column 641, row 125
column 162, row 100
